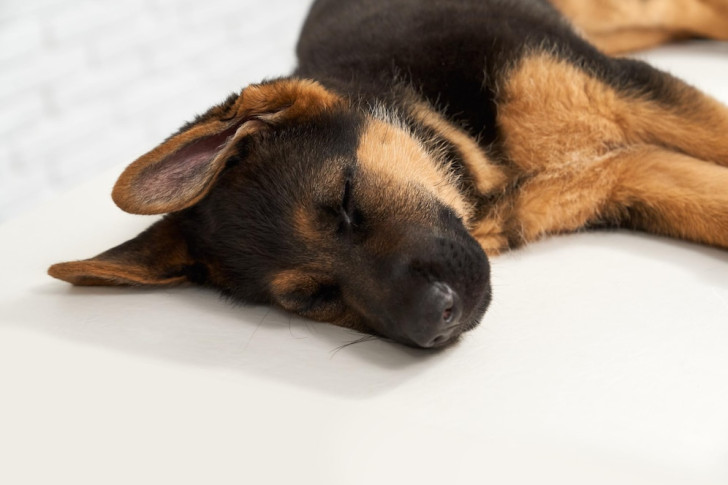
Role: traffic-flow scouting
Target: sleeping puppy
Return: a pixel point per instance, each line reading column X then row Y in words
column 416, row 139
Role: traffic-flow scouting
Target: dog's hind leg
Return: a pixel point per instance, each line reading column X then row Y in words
column 671, row 194
column 618, row 26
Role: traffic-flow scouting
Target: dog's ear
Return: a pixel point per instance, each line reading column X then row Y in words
column 182, row 170
column 157, row 257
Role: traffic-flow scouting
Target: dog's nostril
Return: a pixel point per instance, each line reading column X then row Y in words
column 445, row 300
column 447, row 315
column 435, row 316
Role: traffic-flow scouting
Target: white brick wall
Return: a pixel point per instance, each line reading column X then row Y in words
column 89, row 84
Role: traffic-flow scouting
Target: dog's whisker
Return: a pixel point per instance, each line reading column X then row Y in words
column 290, row 329
column 364, row 339
column 257, row 327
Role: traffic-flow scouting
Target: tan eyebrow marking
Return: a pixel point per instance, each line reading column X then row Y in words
column 392, row 153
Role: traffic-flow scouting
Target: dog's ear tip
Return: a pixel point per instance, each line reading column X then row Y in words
column 56, row 271
column 90, row 272
column 69, row 272
column 118, row 198
column 157, row 257
column 82, row 273
column 120, row 194
column 124, row 200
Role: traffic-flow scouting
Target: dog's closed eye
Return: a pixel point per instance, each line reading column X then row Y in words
column 350, row 218
column 323, row 296
column 342, row 214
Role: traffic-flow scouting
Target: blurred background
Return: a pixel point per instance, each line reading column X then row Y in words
column 87, row 85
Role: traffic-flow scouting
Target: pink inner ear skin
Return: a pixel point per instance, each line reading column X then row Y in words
column 183, row 175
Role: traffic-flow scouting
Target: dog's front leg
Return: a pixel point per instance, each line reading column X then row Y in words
column 671, row 194
column 642, row 187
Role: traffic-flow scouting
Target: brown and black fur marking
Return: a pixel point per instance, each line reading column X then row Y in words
column 418, row 137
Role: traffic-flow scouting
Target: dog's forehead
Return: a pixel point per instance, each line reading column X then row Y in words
column 393, row 177
column 389, row 151
column 363, row 144
column 274, row 193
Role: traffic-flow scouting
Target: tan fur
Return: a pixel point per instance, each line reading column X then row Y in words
column 394, row 156
column 292, row 287
column 634, row 39
column 567, row 133
column 673, row 194
column 289, row 281
column 696, row 124
column 292, row 99
column 305, row 226
column 102, row 273
column 487, row 176
column 491, row 231
column 559, row 131
column 618, row 26
column 554, row 116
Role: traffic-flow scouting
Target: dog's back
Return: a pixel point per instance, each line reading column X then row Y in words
column 455, row 52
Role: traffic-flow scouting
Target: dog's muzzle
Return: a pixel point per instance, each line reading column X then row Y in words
column 440, row 291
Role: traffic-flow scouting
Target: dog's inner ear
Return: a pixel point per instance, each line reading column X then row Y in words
column 179, row 172
column 182, row 170
column 157, row 257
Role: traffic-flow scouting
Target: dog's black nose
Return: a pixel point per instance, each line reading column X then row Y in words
column 436, row 317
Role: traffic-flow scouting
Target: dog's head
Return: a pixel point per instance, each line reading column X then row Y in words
column 289, row 194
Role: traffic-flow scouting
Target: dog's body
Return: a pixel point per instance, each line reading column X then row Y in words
column 414, row 138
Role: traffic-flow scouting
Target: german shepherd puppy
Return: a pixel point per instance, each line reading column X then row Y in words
column 415, row 138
